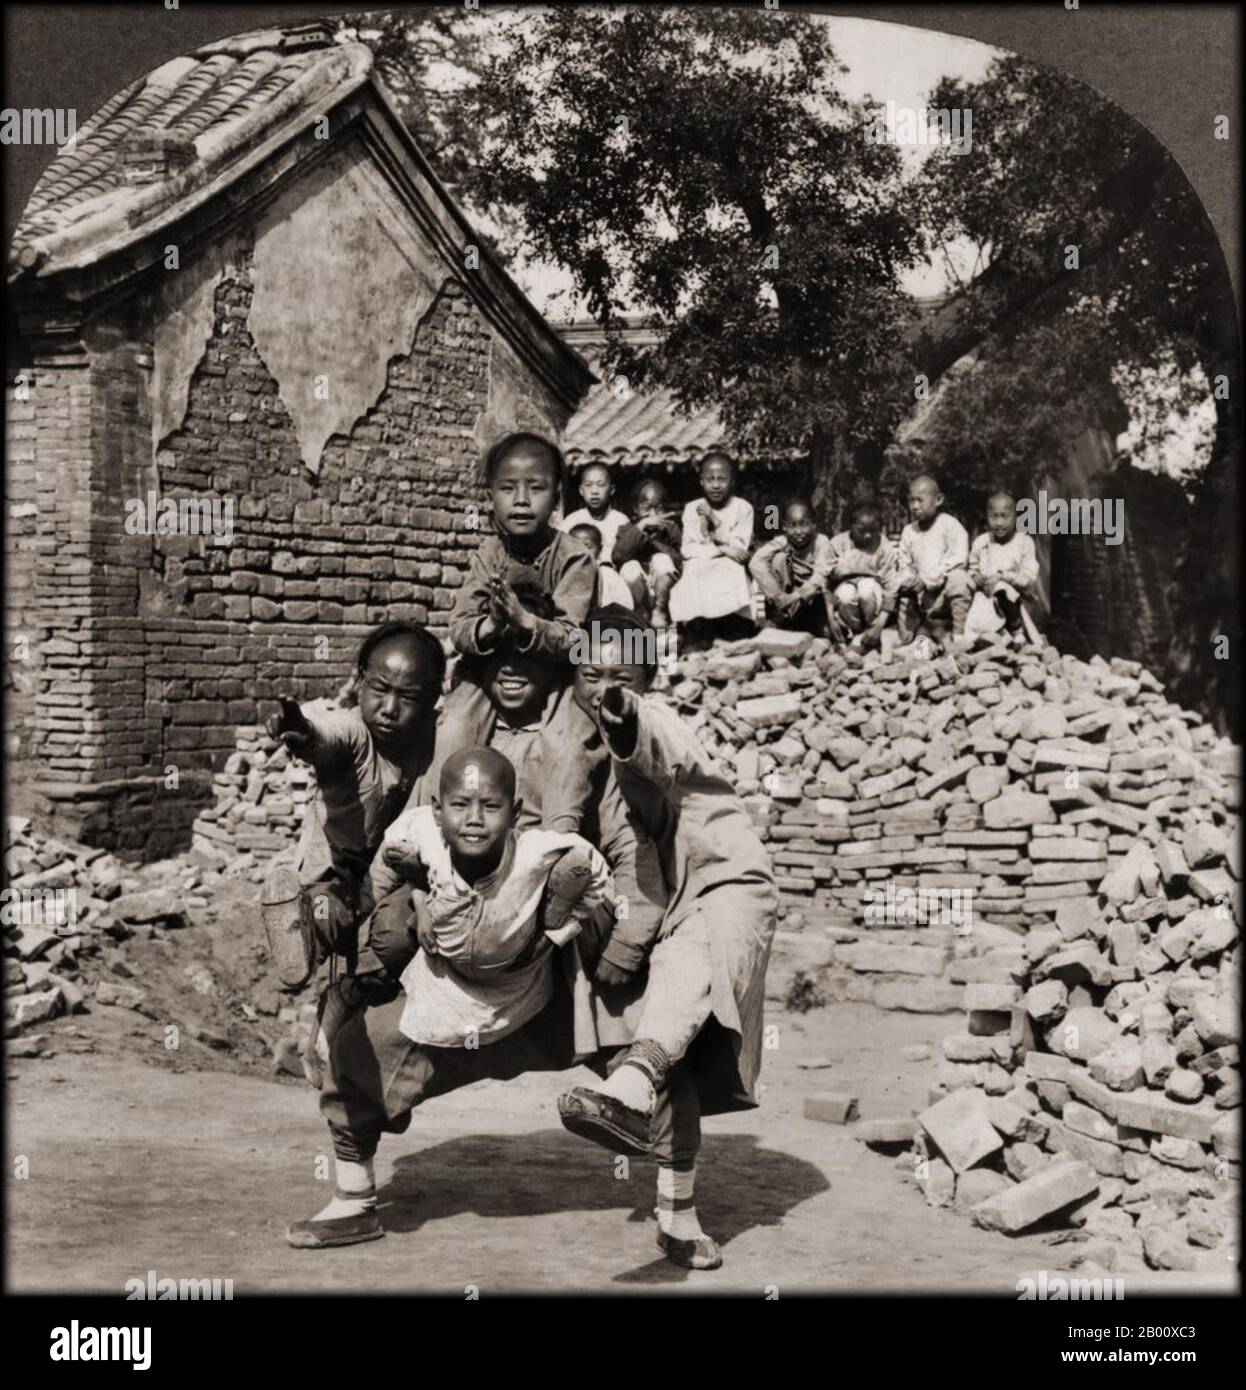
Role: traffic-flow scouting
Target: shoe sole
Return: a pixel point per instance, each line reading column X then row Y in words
column 304, row 1240
column 670, row 1248
column 285, row 928
column 599, row 1130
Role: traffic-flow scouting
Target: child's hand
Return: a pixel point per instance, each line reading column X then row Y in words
column 607, row 973
column 873, row 634
column 290, row 726
column 619, row 715
column 506, row 609
column 402, row 857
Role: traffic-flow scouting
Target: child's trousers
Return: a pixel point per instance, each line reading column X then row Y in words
column 377, row 1076
column 677, row 995
column 858, row 601
column 950, row 601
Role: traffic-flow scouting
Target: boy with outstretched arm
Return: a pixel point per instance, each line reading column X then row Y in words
column 707, row 969
column 366, row 759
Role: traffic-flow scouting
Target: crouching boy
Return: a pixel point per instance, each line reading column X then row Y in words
column 865, row 573
column 934, row 578
column 1003, row 565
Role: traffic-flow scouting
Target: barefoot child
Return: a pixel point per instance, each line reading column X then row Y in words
column 713, row 593
column 610, row 585
column 597, row 491
column 366, row 759
column 1003, row 564
column 648, row 552
column 865, row 576
column 934, row 554
column 485, row 968
column 524, row 474
column 792, row 570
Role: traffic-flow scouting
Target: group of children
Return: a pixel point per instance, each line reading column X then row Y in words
column 453, row 863
column 556, row 828
column 695, row 570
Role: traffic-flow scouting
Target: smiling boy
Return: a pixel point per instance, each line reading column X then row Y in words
column 484, row 971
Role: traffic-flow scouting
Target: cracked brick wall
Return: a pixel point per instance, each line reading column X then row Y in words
column 148, row 652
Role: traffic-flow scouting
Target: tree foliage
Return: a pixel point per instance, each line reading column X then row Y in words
column 1054, row 166
column 704, row 166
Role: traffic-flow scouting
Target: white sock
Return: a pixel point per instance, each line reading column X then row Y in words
column 630, row 1085
column 677, row 1213
column 356, row 1191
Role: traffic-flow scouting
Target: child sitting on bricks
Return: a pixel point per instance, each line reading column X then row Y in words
column 792, row 570
column 1003, row 565
column 934, row 578
column 524, row 473
column 487, row 933
column 611, row 587
column 648, row 552
column 864, row 579
column 366, row 759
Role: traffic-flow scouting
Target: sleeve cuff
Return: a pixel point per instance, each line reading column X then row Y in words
column 624, row 954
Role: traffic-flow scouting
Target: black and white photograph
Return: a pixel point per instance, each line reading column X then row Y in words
column 622, row 662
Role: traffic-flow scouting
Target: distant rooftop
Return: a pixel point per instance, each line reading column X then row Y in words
column 647, row 429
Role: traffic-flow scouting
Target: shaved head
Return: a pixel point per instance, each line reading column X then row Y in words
column 472, row 767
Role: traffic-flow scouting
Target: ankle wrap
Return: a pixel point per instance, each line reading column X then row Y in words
column 651, row 1057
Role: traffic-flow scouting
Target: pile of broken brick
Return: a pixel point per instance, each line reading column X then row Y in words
column 1095, row 825
column 902, row 794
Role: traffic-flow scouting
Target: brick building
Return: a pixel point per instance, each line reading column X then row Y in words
column 242, row 286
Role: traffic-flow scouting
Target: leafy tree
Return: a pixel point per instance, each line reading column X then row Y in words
column 1052, row 166
column 704, row 166
column 428, row 60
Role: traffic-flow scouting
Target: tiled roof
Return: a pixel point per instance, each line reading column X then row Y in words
column 633, row 429
column 205, row 115
column 641, row 429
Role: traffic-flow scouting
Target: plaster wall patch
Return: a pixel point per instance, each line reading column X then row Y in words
column 341, row 281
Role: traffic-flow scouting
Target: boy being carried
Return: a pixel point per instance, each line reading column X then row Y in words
column 792, row 570
column 934, row 579
column 524, row 474
column 865, row 574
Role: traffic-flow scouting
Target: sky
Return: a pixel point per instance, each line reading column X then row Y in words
column 886, row 62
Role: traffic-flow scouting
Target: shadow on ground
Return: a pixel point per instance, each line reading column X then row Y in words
column 742, row 1185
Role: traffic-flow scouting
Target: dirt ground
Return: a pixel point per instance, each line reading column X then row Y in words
column 194, row 1174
